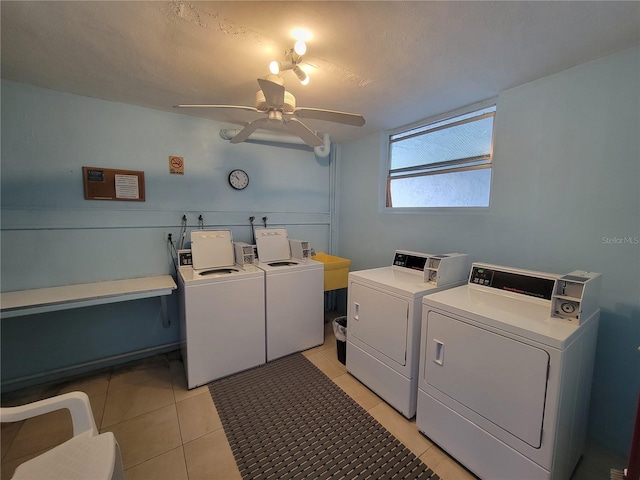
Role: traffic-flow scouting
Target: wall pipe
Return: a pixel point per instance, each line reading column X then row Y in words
column 321, row 151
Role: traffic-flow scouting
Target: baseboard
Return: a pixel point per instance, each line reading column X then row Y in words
column 71, row 371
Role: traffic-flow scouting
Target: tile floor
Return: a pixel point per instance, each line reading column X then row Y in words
column 168, row 432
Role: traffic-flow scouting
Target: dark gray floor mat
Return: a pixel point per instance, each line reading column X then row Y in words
column 287, row 420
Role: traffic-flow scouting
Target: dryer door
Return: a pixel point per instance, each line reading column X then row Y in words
column 380, row 320
column 499, row 378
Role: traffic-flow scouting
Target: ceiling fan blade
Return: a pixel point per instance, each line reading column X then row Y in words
column 330, row 116
column 301, row 130
column 233, row 107
column 273, row 93
column 249, row 129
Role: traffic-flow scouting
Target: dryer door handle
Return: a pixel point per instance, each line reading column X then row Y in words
column 438, row 354
column 356, row 311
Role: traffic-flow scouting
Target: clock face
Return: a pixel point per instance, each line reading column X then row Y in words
column 238, row 179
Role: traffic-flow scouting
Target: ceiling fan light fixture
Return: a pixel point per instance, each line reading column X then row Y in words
column 300, row 47
column 274, row 67
column 302, row 76
column 292, row 58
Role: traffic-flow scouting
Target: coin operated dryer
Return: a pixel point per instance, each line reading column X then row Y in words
column 505, row 370
column 384, row 310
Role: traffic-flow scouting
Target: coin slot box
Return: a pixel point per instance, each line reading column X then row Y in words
column 575, row 295
column 300, row 249
column 446, row 269
column 184, row 258
column 244, row 253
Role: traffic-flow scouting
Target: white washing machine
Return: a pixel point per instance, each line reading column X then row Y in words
column 294, row 293
column 222, row 310
column 384, row 310
column 505, row 371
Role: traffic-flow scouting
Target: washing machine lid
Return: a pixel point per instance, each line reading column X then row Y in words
column 272, row 244
column 211, row 249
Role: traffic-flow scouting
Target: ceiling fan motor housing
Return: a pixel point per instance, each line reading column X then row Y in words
column 262, row 105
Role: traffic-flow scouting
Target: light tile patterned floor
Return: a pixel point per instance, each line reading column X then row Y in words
column 166, row 431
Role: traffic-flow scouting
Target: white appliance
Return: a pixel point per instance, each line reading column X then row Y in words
column 300, row 249
column 294, row 295
column 505, row 378
column 222, row 310
column 244, row 253
column 383, row 321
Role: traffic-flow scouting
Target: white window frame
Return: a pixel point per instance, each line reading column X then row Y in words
column 385, row 163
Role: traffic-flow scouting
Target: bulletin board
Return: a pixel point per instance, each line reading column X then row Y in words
column 112, row 184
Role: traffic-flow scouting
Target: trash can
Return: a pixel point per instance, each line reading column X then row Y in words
column 340, row 331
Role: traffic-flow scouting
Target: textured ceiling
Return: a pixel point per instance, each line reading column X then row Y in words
column 393, row 62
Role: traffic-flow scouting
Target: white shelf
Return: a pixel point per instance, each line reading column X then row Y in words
column 41, row 300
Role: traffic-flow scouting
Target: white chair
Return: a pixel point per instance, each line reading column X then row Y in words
column 88, row 455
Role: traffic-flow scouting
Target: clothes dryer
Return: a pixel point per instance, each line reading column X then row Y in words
column 383, row 321
column 294, row 295
column 222, row 310
column 505, row 370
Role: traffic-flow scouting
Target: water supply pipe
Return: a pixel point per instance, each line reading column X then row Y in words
column 321, row 151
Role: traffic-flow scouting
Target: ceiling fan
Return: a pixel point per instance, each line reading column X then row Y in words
column 280, row 108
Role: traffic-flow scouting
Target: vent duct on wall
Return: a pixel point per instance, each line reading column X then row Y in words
column 321, row 151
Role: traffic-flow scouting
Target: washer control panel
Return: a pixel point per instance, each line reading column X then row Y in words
column 184, row 258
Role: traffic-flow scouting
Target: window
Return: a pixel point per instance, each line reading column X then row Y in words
column 445, row 163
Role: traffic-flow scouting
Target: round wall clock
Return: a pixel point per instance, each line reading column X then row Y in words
column 238, row 179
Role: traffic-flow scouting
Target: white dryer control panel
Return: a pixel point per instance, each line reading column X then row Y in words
column 523, row 282
column 439, row 270
column 410, row 260
column 573, row 296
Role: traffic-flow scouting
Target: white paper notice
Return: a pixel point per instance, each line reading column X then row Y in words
column 127, row 186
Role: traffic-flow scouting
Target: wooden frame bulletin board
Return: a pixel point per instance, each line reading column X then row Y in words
column 112, row 184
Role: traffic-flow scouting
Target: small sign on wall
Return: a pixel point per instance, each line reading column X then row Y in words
column 176, row 165
column 111, row 184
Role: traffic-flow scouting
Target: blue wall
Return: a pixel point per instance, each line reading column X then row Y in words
column 52, row 236
column 566, row 182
